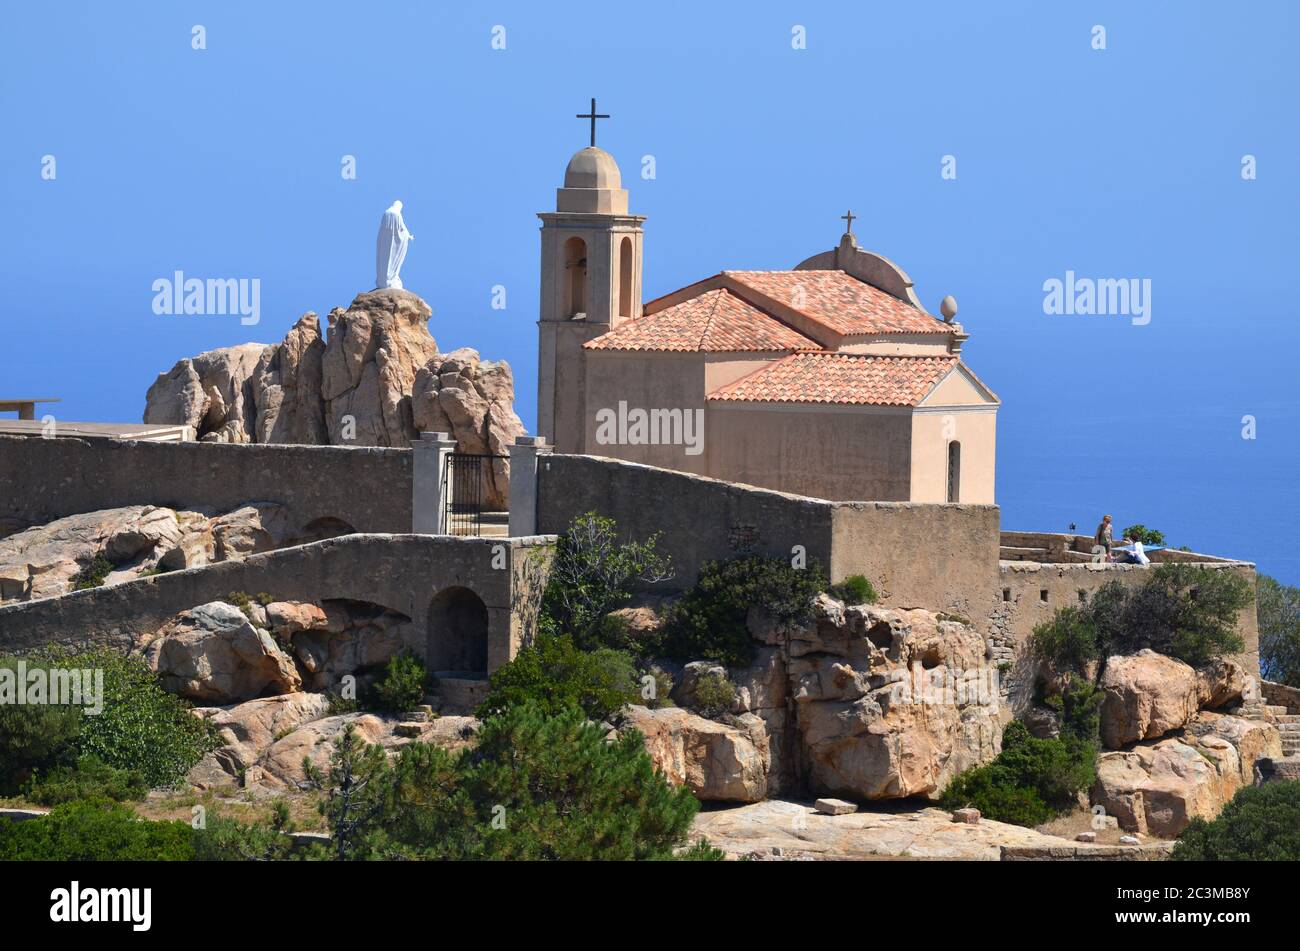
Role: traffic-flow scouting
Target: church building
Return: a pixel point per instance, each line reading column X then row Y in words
column 829, row 380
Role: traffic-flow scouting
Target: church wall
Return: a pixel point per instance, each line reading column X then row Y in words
column 932, row 429
column 646, row 381
column 827, row 452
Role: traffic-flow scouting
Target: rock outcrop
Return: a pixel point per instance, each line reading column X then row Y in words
column 1158, row 787
column 378, row 380
column 1149, row 695
column 214, row 654
column 219, row 653
column 716, row 761
column 892, row 703
column 44, row 560
column 862, row 702
column 266, row 740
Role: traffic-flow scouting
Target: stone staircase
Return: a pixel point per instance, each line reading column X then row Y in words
column 1280, row 706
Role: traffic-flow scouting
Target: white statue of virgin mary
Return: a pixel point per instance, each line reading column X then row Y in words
column 390, row 249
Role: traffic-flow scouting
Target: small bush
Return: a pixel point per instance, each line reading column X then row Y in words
column 554, row 675
column 1079, row 706
column 855, row 589
column 1260, row 824
column 709, row 622
column 714, row 694
column 1068, row 641
column 1147, row 536
column 88, row 779
column 402, row 687
column 594, row 573
column 93, row 573
column 1030, row 781
column 95, row 831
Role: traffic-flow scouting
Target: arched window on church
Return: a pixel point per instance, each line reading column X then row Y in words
column 625, row 278
column 575, row 277
column 954, row 471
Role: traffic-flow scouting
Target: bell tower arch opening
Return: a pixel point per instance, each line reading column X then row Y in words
column 575, row 278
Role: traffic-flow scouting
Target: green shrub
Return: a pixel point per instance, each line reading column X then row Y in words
column 1260, row 824
column 32, row 737
column 1068, row 641
column 1278, row 608
column 709, row 622
column 93, row 573
column 594, row 573
column 1030, row 781
column 535, row 787
column 1188, row 612
column 855, row 589
column 554, row 675
column 228, row 840
column 94, row 831
column 713, row 695
column 402, row 687
column 1079, row 706
column 88, row 779
column 142, row 729
column 1147, row 536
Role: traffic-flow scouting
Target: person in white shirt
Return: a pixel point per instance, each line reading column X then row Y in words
column 1138, row 556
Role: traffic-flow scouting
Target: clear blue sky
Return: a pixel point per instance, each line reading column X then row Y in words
column 1117, row 163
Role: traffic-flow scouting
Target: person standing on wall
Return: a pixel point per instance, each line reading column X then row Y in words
column 1105, row 536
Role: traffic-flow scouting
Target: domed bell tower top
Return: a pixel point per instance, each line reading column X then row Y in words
column 592, row 185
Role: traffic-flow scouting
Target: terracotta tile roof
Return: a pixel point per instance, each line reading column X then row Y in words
column 840, row 378
column 840, row 302
column 716, row 321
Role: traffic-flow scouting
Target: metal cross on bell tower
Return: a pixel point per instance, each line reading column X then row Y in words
column 593, row 116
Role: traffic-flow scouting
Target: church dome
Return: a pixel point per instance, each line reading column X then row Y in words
column 592, row 168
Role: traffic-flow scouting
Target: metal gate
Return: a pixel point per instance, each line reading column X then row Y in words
column 464, row 477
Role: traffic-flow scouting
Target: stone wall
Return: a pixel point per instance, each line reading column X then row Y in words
column 700, row 519
column 44, row 479
column 1029, row 593
column 401, row 572
column 940, row 557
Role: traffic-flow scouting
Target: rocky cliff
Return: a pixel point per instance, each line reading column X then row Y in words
column 376, row 379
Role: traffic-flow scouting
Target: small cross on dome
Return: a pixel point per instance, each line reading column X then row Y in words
column 846, row 217
column 593, row 116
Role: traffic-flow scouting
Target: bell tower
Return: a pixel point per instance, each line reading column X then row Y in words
column 591, row 282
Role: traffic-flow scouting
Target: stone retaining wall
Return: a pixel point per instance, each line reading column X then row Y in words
column 367, row 489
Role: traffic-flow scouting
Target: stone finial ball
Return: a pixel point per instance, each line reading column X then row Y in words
column 948, row 307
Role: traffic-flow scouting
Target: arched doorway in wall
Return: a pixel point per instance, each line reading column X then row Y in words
column 954, row 471
column 458, row 633
column 575, row 277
